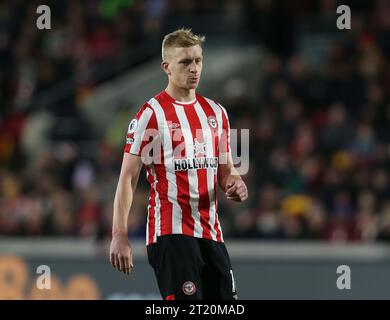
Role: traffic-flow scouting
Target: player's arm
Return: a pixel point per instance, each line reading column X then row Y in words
column 120, row 249
column 229, row 179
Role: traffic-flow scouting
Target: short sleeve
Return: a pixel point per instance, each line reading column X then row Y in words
column 142, row 128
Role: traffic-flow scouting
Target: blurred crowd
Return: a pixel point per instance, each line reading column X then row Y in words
column 319, row 135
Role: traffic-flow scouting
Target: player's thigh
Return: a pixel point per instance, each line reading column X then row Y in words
column 178, row 263
column 217, row 277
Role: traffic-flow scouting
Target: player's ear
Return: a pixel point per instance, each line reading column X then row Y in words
column 165, row 67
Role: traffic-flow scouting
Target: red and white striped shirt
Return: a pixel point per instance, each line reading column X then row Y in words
column 183, row 173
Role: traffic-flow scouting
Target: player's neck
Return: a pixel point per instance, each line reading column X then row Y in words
column 180, row 94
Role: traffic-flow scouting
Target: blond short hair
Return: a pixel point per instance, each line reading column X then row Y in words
column 181, row 38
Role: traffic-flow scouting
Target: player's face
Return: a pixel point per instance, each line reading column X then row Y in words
column 184, row 66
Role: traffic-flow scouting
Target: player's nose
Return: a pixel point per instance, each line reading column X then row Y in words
column 193, row 67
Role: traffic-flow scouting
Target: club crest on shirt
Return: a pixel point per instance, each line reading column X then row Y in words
column 189, row 288
column 212, row 122
column 132, row 126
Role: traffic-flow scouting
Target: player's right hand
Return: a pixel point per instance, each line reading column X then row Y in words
column 121, row 254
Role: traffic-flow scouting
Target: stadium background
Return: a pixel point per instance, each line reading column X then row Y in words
column 316, row 101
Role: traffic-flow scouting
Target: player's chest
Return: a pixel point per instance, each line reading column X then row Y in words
column 188, row 120
column 189, row 131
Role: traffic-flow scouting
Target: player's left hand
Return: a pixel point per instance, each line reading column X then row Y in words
column 236, row 190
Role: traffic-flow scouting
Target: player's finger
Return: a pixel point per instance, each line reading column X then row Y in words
column 244, row 190
column 238, row 196
column 235, row 195
column 234, row 198
column 230, row 184
column 231, row 189
column 126, row 263
column 120, row 264
column 122, row 267
column 243, row 195
column 115, row 262
column 240, row 189
column 112, row 259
